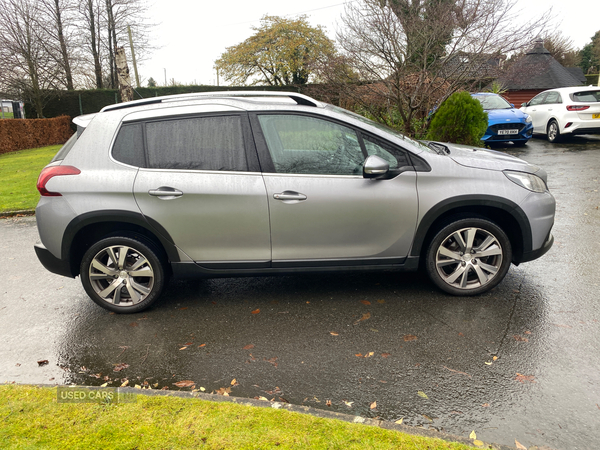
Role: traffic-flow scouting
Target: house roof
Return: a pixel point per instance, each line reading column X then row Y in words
column 537, row 69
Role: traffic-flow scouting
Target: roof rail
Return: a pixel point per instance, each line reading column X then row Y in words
column 300, row 99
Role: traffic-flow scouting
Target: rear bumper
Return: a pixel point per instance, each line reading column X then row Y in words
column 51, row 262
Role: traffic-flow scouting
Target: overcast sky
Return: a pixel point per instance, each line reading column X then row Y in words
column 192, row 34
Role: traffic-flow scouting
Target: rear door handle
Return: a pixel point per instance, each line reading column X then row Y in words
column 165, row 193
column 289, row 195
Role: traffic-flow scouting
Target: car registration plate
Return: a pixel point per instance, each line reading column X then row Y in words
column 508, row 131
column 595, row 116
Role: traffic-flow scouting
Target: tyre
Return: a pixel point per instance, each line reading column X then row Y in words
column 122, row 274
column 468, row 257
column 553, row 131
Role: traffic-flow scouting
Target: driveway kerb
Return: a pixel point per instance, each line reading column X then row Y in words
column 298, row 409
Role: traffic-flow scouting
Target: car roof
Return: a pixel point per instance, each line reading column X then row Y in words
column 246, row 97
column 575, row 89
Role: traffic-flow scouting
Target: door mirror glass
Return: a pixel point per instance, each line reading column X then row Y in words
column 375, row 167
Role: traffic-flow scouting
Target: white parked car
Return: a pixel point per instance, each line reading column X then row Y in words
column 565, row 111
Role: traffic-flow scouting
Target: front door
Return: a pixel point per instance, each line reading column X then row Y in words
column 322, row 210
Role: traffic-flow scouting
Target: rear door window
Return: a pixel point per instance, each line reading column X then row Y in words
column 588, row 97
column 197, row 143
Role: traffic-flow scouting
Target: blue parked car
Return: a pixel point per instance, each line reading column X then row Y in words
column 505, row 123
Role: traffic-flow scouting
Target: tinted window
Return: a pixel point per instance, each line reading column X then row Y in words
column 300, row 144
column 198, row 143
column 396, row 158
column 129, row 145
column 552, row 97
column 590, row 96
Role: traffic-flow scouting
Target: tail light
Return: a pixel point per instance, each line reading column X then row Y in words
column 577, row 107
column 50, row 172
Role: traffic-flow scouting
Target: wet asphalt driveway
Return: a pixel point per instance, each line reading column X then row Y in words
column 521, row 362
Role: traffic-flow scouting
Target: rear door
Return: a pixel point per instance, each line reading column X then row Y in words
column 202, row 183
column 322, row 210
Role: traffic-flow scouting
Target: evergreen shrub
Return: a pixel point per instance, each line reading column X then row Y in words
column 460, row 120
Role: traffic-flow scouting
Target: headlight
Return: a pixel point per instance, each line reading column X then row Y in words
column 528, row 119
column 527, row 180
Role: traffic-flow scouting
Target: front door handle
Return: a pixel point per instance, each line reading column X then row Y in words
column 165, row 193
column 289, row 195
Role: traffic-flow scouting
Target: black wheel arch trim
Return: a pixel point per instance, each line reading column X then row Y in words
column 470, row 201
column 127, row 217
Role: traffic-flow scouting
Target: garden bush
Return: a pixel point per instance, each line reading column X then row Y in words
column 460, row 120
column 20, row 134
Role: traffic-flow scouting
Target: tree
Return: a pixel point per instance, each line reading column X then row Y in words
column 28, row 70
column 281, row 52
column 460, row 119
column 561, row 48
column 589, row 55
column 412, row 54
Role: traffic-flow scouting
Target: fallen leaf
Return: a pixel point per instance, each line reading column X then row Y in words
column 184, row 308
column 202, row 389
column 234, row 382
column 271, row 360
column 262, row 398
column 365, row 302
column 525, row 378
column 519, row 445
column 348, row 404
column 473, row 435
column 520, row 338
column 188, row 343
column 360, row 355
column 137, row 386
column 43, row 362
column 399, row 421
column 125, row 383
column 275, row 391
column 224, row 391
column 478, row 443
column 486, row 405
column 380, row 301
column 374, row 330
column 104, row 385
column 120, row 366
column 164, row 388
column 422, row 394
column 385, row 355
column 373, row 405
column 249, row 346
column 495, row 358
column 182, row 348
column 527, row 332
column 333, row 333
column 134, row 324
column 328, row 402
column 185, row 383
column 283, row 400
column 202, row 345
column 256, row 311
column 410, row 337
column 368, row 355
column 488, row 363
column 365, row 316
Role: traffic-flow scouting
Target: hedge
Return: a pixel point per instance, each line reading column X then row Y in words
column 20, row 134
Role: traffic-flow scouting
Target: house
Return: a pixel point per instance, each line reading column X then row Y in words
column 535, row 72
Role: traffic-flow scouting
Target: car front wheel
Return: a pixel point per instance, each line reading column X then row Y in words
column 468, row 257
column 122, row 274
column 553, row 131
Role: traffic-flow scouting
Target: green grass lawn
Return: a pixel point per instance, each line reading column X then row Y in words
column 18, row 175
column 31, row 418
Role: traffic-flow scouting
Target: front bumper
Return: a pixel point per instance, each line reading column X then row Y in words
column 51, row 262
column 535, row 254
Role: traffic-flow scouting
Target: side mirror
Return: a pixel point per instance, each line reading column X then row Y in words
column 512, row 105
column 523, row 105
column 375, row 167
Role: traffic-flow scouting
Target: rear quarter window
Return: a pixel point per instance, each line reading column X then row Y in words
column 587, row 97
column 65, row 149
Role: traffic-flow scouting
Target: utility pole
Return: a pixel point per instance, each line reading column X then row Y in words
column 135, row 71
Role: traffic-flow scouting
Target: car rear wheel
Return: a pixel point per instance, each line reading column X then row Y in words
column 553, row 131
column 468, row 257
column 122, row 274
